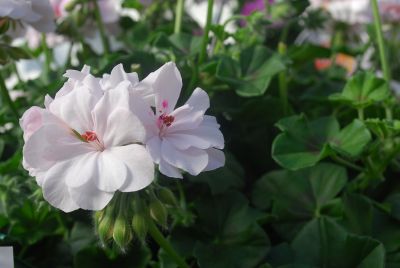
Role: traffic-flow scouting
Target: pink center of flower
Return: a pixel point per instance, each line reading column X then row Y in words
column 164, row 121
column 91, row 138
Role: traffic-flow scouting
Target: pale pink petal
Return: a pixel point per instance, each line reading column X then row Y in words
column 111, row 172
column 139, row 164
column 216, row 159
column 167, row 87
column 55, row 191
column 169, row 170
column 192, row 160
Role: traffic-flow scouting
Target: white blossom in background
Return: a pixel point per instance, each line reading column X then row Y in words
column 86, row 144
column 179, row 138
column 37, row 13
column 349, row 11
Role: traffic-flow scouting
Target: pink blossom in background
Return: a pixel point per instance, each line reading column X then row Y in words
column 85, row 144
column 251, row 6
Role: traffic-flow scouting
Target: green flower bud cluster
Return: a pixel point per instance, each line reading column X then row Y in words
column 128, row 216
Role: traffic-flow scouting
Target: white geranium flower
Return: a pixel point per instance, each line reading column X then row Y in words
column 179, row 138
column 85, row 145
column 37, row 13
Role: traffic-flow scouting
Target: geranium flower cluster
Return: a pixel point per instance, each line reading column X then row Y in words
column 102, row 135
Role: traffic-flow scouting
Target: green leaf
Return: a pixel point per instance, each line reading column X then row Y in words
column 352, row 140
column 323, row 243
column 302, row 143
column 298, row 196
column 231, row 236
column 363, row 90
column 383, row 128
column 254, row 72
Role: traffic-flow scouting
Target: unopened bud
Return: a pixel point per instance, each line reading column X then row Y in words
column 4, row 25
column 167, row 196
column 158, row 212
column 122, row 232
column 105, row 225
column 70, row 6
column 139, row 225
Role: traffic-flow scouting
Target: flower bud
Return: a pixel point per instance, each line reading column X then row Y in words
column 167, row 196
column 105, row 225
column 4, row 25
column 70, row 6
column 158, row 212
column 122, row 232
column 139, row 225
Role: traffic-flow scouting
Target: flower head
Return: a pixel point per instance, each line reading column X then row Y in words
column 182, row 138
column 86, row 144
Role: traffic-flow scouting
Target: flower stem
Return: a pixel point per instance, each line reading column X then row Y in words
column 47, row 57
column 204, row 44
column 283, row 86
column 164, row 244
column 346, row 163
column 360, row 113
column 6, row 97
column 104, row 40
column 178, row 16
column 382, row 51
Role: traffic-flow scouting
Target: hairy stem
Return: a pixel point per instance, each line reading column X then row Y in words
column 164, row 244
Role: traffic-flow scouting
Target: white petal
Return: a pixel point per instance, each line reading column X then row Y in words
column 192, row 160
column 118, row 75
column 169, row 170
column 55, row 191
column 202, row 137
column 199, row 100
column 52, row 143
column 75, row 108
column 111, row 172
column 216, row 159
column 139, row 164
column 153, row 146
column 123, row 127
column 82, row 169
column 167, row 87
column 114, row 122
column 185, row 118
column 89, row 197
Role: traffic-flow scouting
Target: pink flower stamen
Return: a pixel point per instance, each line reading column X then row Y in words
column 164, row 121
column 89, row 136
